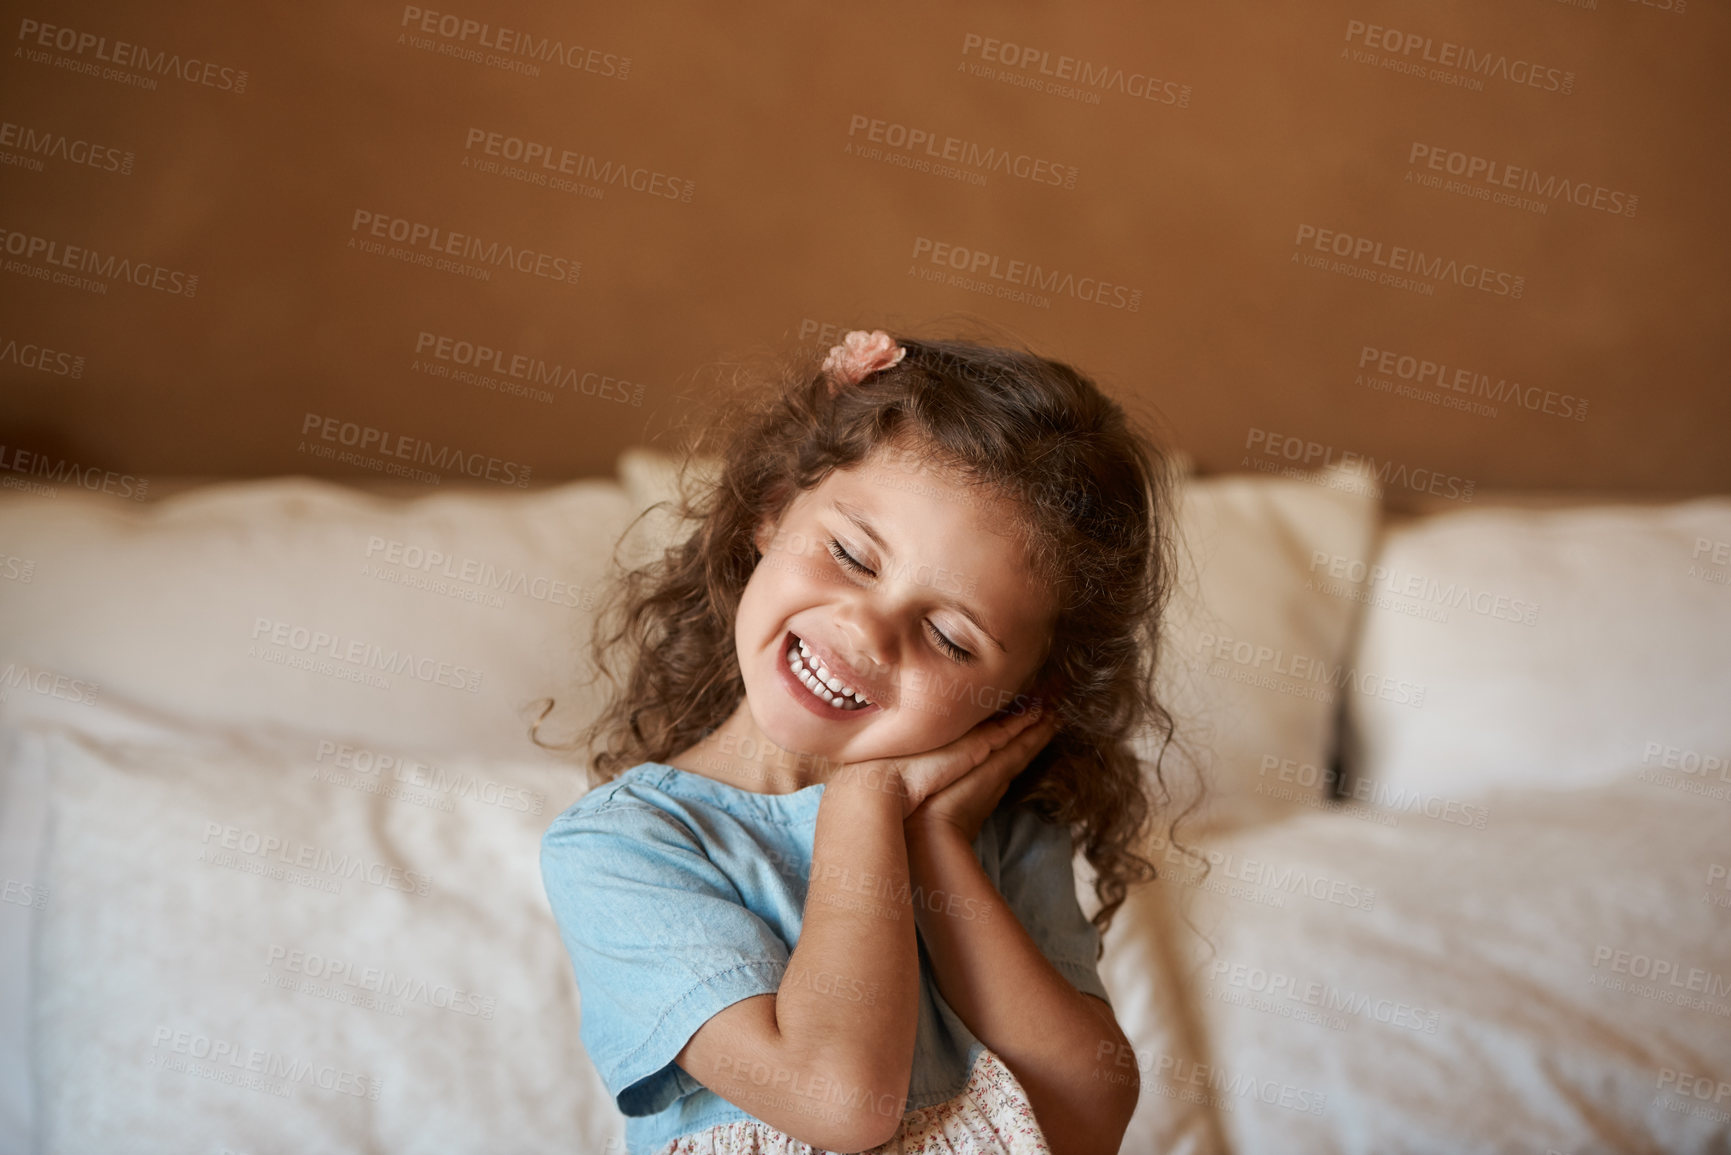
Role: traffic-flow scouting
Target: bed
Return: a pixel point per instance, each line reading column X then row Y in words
column 270, row 816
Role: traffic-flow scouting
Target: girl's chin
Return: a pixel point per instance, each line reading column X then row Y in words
column 800, row 733
column 803, row 736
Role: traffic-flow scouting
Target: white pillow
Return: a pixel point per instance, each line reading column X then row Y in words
column 1573, row 645
column 434, row 623
column 1254, row 658
column 156, row 605
column 1554, row 982
column 239, row 954
column 23, row 808
column 650, row 477
column 1246, row 603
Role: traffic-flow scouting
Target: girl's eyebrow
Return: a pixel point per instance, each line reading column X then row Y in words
column 858, row 517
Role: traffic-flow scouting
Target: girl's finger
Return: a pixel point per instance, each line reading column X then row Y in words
column 997, row 733
column 1015, row 724
column 937, row 768
column 1020, row 750
column 1008, row 733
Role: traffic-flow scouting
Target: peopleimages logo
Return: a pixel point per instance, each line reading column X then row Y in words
column 273, row 849
column 364, row 654
column 1666, row 972
column 1177, row 1077
column 1260, row 879
column 971, row 264
column 1278, row 985
column 1393, row 800
column 1348, row 464
column 373, row 765
column 137, row 57
column 1462, row 58
column 927, row 144
column 1340, row 576
column 525, row 368
column 29, row 355
column 63, row 471
column 418, row 235
column 1419, row 371
column 85, row 260
column 1404, row 259
column 36, row 144
column 253, row 1067
column 521, row 49
column 1069, row 73
column 46, row 682
column 543, row 163
column 366, row 438
column 382, row 981
column 1498, row 175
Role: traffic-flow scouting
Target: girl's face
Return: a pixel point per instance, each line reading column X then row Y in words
column 898, row 584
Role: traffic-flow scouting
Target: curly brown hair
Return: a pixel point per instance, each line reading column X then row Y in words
column 1097, row 510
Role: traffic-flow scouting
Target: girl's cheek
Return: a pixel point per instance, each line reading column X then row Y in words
column 797, row 567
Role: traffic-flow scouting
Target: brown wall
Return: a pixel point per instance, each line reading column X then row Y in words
column 1196, row 166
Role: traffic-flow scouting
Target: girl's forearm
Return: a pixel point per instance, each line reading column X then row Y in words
column 1059, row 1043
column 848, row 1003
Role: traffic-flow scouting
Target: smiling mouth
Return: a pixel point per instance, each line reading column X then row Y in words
column 823, row 685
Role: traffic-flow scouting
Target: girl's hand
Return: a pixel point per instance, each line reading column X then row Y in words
column 964, row 804
column 996, row 748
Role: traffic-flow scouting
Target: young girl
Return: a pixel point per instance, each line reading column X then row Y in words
column 820, row 894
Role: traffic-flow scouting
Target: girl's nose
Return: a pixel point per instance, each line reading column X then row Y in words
column 868, row 641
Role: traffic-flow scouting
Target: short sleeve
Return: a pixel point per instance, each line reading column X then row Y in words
column 1038, row 881
column 659, row 939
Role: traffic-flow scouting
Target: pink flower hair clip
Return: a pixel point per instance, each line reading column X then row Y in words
column 859, row 356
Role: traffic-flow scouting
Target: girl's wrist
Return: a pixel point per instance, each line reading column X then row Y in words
column 925, row 828
column 878, row 778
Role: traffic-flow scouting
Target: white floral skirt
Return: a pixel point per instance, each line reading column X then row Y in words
column 991, row 1116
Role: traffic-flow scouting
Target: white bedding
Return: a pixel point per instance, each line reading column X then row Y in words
column 23, row 813
column 429, row 1005
column 1430, row 980
column 1431, row 987
column 1453, row 1008
column 1556, row 648
column 172, row 926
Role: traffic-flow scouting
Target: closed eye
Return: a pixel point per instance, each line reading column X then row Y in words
column 847, row 559
column 955, row 652
column 952, row 651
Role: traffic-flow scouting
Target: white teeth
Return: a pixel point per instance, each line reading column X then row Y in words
column 822, row 683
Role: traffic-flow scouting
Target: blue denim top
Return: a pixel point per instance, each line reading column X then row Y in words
column 678, row 895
